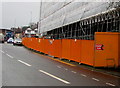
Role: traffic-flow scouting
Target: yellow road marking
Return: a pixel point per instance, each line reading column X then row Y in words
column 63, row 62
column 56, row 59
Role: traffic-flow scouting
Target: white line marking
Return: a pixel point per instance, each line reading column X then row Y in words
column 24, row 63
column 66, row 69
column 83, row 75
column 73, row 71
column 95, row 79
column 110, row 84
column 2, row 51
column 19, row 47
column 9, row 55
column 55, row 77
column 9, row 44
column 58, row 66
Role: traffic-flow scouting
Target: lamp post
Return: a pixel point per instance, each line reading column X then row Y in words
column 31, row 16
column 39, row 23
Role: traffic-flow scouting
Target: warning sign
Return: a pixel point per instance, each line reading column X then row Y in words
column 99, row 47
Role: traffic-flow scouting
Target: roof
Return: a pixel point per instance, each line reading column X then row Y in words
column 5, row 29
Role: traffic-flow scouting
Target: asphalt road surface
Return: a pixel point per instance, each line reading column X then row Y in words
column 22, row 67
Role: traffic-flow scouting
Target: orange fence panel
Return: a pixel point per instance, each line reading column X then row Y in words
column 75, row 50
column 31, row 43
column 87, row 52
column 36, row 44
column 71, row 49
column 41, row 45
column 51, row 49
column 24, row 41
column 107, row 50
column 103, row 52
column 28, row 41
column 46, row 48
column 57, row 47
column 66, row 48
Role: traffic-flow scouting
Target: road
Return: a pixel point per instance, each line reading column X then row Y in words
column 22, row 67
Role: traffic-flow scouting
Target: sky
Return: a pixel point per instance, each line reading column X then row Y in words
column 18, row 14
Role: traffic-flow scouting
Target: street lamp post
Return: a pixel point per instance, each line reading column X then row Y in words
column 39, row 23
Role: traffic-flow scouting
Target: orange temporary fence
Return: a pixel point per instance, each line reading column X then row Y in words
column 41, row 45
column 27, row 42
column 78, row 50
column 66, row 48
column 101, row 52
column 52, row 47
column 75, row 50
column 87, row 52
column 107, row 49
column 71, row 49
column 57, row 48
column 46, row 46
column 36, row 45
column 31, row 41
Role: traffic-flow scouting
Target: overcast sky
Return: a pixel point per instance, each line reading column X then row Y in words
column 16, row 14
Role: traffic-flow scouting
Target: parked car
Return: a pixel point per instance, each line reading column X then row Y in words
column 2, row 38
column 10, row 40
column 17, row 41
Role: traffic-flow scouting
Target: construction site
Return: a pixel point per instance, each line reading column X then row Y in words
column 81, row 34
column 75, row 43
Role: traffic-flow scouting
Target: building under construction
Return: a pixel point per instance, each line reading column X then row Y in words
column 78, row 19
column 85, row 32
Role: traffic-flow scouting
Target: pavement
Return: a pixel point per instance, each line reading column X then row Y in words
column 22, row 67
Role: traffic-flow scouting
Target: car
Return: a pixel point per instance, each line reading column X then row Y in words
column 17, row 41
column 10, row 40
column 2, row 40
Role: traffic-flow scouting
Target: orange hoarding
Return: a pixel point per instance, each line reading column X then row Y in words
column 41, row 45
column 87, row 52
column 75, row 50
column 109, row 55
column 57, row 47
column 66, row 48
column 46, row 46
column 104, row 51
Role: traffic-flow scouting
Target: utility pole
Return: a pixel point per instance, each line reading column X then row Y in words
column 15, row 22
column 31, row 16
column 14, row 29
column 39, row 23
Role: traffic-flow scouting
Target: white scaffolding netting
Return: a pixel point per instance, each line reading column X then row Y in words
column 57, row 14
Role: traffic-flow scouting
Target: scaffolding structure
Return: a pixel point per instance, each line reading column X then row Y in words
column 85, row 29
